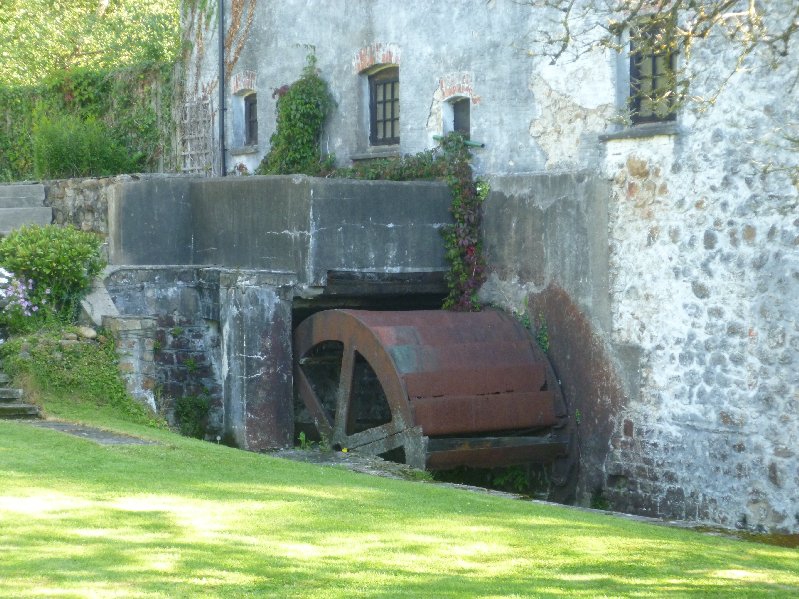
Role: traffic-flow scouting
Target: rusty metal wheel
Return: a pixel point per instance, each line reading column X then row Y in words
column 447, row 389
column 337, row 356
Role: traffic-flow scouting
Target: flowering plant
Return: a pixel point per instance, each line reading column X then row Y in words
column 15, row 299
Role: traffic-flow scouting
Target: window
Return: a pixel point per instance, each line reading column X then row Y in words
column 461, row 117
column 652, row 83
column 250, row 120
column 384, row 108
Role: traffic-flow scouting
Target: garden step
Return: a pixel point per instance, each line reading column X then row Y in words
column 10, row 394
column 4, row 378
column 14, row 218
column 22, row 196
column 18, row 410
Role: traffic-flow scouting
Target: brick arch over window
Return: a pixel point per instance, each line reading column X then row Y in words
column 376, row 54
column 456, row 93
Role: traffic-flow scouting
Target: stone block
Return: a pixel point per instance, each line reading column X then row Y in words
column 14, row 218
column 22, row 196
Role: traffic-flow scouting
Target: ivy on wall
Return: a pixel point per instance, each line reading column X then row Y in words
column 302, row 108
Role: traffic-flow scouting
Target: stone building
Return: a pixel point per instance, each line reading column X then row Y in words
column 660, row 247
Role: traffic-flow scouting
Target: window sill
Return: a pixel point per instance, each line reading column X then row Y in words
column 244, row 150
column 643, row 130
column 377, row 152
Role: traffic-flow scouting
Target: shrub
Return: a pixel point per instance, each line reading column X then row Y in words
column 61, row 262
column 191, row 414
column 68, row 146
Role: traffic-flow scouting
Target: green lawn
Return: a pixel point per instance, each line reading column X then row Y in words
column 186, row 518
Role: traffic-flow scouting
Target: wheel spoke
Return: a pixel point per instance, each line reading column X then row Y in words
column 344, row 415
column 314, row 404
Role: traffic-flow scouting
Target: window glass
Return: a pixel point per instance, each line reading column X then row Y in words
column 384, row 107
column 250, row 120
column 651, row 76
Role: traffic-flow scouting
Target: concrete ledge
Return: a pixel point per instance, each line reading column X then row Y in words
column 22, row 195
column 281, row 224
column 14, row 218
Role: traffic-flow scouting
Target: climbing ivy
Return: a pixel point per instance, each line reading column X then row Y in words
column 462, row 240
column 302, row 108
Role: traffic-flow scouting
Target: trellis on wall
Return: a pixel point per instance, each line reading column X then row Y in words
column 197, row 141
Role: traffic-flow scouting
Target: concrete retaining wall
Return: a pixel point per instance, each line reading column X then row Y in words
column 291, row 224
column 212, row 268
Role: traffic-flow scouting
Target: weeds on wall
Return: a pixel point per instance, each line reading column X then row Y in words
column 191, row 415
column 75, row 376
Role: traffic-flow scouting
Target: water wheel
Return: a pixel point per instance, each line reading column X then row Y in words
column 444, row 389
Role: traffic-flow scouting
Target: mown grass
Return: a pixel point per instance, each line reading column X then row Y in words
column 185, row 518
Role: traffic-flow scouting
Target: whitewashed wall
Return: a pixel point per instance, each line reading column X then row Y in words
column 702, row 245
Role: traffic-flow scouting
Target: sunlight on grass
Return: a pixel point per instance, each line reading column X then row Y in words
column 40, row 503
column 740, row 575
column 192, row 519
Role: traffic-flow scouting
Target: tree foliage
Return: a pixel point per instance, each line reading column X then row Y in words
column 39, row 38
column 82, row 74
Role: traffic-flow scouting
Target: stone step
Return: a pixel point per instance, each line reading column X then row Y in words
column 18, row 410
column 14, row 218
column 4, row 378
column 10, row 394
column 22, row 196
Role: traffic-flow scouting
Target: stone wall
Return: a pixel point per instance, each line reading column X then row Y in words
column 674, row 293
column 135, row 341
column 546, row 240
column 705, row 278
column 168, row 337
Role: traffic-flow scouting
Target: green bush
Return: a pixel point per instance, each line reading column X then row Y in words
column 61, row 262
column 68, row 146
